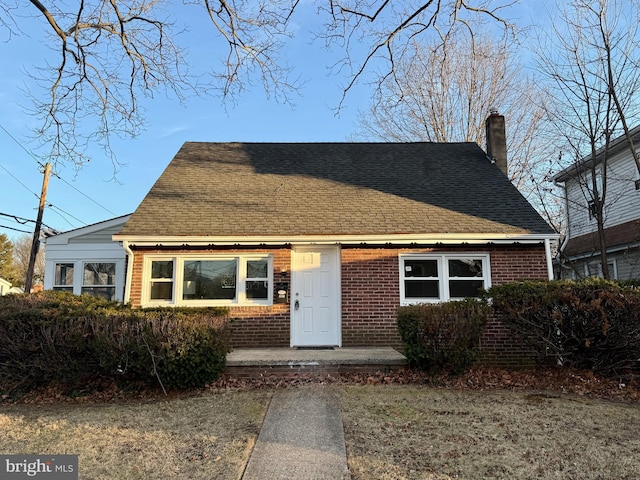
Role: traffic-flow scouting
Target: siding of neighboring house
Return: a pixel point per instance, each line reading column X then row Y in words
column 370, row 296
column 76, row 248
column 580, row 251
column 622, row 201
column 5, row 286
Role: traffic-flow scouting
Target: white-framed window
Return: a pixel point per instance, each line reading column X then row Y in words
column 63, row 276
column 91, row 278
column 593, row 268
column 432, row 278
column 99, row 279
column 208, row 280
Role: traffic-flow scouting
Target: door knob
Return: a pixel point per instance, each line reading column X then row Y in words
column 296, row 305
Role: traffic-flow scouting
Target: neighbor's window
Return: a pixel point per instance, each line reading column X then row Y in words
column 594, row 269
column 436, row 278
column 99, row 280
column 211, row 280
column 63, row 277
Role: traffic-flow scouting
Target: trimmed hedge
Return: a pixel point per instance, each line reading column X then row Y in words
column 591, row 324
column 443, row 336
column 59, row 337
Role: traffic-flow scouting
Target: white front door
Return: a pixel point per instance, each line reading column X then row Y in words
column 315, row 296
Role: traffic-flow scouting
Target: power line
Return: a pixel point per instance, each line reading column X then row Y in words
column 17, row 180
column 83, row 194
column 66, row 213
column 54, row 174
column 21, row 220
column 16, row 229
column 22, row 146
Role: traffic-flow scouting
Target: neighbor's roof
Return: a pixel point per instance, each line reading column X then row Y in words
column 293, row 189
column 616, row 146
column 617, row 237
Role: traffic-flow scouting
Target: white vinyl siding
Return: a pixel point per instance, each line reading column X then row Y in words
column 622, row 202
column 90, row 245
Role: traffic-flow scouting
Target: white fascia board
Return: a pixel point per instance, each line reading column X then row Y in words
column 448, row 239
column 64, row 237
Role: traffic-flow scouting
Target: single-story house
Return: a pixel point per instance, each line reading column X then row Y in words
column 87, row 260
column 317, row 244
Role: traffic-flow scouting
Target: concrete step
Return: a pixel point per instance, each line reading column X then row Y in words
column 285, row 362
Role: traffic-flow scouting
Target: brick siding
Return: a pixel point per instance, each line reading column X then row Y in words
column 370, row 297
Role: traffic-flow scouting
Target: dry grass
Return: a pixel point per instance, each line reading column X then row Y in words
column 421, row 433
column 202, row 437
column 392, row 432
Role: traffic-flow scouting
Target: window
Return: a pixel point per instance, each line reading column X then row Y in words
column 63, row 277
column 593, row 209
column 211, row 280
column 99, row 280
column 162, row 280
column 100, row 277
column 594, row 269
column 438, row 278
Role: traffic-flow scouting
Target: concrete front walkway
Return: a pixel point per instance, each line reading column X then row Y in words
column 302, row 438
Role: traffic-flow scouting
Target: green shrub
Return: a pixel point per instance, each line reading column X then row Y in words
column 59, row 337
column 443, row 336
column 592, row 324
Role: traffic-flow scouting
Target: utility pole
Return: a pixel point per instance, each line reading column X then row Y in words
column 36, row 233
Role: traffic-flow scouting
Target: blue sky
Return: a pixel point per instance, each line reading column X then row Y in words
column 90, row 195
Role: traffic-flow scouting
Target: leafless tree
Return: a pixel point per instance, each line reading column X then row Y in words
column 108, row 54
column 591, row 59
column 442, row 92
column 21, row 254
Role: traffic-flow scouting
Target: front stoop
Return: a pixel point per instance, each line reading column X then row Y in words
column 290, row 362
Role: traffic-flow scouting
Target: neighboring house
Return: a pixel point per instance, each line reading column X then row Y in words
column 5, row 286
column 317, row 244
column 87, row 260
column 580, row 251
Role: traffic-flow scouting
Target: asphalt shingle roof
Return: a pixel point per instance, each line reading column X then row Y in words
column 241, row 189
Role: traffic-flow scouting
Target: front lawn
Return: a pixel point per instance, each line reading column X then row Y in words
column 205, row 437
column 393, row 432
column 398, row 432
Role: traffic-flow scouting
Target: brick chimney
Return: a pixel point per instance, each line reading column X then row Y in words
column 497, row 140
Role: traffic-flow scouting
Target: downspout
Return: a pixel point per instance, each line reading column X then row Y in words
column 129, row 275
column 547, row 251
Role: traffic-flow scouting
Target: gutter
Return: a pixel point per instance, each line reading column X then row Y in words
column 129, row 274
column 409, row 239
column 547, row 253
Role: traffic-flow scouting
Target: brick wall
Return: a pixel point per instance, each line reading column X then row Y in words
column 499, row 347
column 370, row 297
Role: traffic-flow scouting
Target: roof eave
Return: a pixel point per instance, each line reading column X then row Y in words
column 445, row 239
